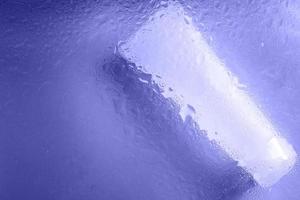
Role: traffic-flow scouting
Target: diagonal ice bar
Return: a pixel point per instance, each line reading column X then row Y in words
column 170, row 48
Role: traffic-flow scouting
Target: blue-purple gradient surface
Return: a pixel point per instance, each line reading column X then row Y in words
column 76, row 122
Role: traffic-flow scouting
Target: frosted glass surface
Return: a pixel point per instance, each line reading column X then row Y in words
column 80, row 120
column 173, row 51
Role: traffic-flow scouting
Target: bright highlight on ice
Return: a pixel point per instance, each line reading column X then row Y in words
column 168, row 45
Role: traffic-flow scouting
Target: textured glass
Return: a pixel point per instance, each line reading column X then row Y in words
column 92, row 109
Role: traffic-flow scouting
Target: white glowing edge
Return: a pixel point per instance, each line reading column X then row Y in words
column 170, row 46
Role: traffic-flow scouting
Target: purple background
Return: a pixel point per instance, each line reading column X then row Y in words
column 75, row 123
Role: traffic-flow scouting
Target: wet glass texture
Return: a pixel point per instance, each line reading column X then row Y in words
column 99, row 99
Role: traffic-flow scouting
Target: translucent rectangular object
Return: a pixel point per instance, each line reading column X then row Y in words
column 170, row 48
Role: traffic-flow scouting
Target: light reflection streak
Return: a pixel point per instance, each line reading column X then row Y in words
column 168, row 45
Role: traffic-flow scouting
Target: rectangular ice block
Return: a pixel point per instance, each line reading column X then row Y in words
column 169, row 47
